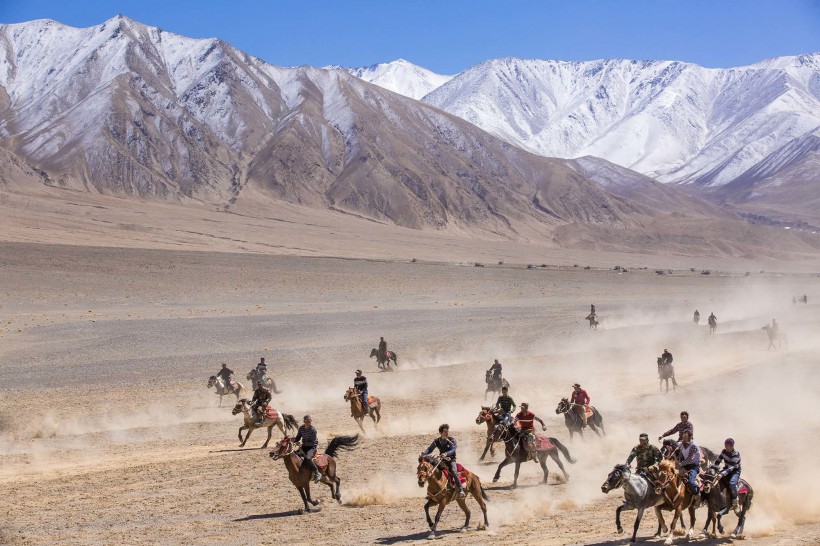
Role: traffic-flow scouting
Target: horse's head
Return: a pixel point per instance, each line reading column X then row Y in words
column 351, row 394
column 427, row 466
column 211, row 381
column 484, row 415
column 667, row 472
column 251, row 375
column 239, row 407
column 668, row 448
column 373, row 352
column 283, row 448
column 563, row 406
column 616, row 478
column 487, row 376
column 709, row 481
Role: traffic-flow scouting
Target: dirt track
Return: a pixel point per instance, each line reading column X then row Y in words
column 108, row 434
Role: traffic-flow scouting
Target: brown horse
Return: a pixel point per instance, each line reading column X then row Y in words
column 441, row 492
column 284, row 421
column 676, row 493
column 357, row 411
column 492, row 418
column 300, row 474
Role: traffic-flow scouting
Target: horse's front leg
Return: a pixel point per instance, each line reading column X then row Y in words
column 517, row 469
column 675, row 516
column 359, row 421
column 637, row 523
column 507, row 460
column 243, row 427
column 304, row 498
column 487, row 447
column 618, row 518
column 248, row 435
column 427, row 506
column 440, row 510
column 310, row 500
column 463, row 505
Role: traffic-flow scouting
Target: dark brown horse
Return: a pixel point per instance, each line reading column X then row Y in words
column 384, row 361
column 515, row 452
column 573, row 421
column 491, row 418
column 300, row 474
column 440, row 492
column 357, row 410
column 719, row 503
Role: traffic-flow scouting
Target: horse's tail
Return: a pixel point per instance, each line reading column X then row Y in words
column 290, row 422
column 674, row 382
column 342, row 443
column 563, row 449
column 483, row 493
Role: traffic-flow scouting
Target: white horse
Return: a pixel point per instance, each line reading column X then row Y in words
column 222, row 389
column 638, row 495
column 283, row 421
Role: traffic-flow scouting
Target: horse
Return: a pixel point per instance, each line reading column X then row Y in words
column 283, row 421
column 494, row 383
column 300, row 474
column 492, row 419
column 776, row 335
column 593, row 321
column 719, row 503
column 384, row 361
column 441, row 492
column 665, row 373
column 516, row 452
column 574, row 423
column 222, row 389
column 639, row 494
column 267, row 381
column 676, row 493
column 712, row 325
column 357, row 411
column 707, row 456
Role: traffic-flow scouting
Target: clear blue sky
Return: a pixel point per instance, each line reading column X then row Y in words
column 449, row 36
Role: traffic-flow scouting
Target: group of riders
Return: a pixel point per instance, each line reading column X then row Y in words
column 688, row 456
column 711, row 320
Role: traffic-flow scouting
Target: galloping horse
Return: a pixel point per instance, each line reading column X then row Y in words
column 283, row 420
column 491, row 418
column 384, row 361
column 593, row 321
column 707, row 456
column 300, row 474
column 675, row 492
column 357, row 411
column 516, row 452
column 639, row 494
column 440, row 492
column 719, row 503
column 222, row 389
column 665, row 373
column 776, row 335
column 574, row 423
column 494, row 383
column 712, row 325
column 267, row 381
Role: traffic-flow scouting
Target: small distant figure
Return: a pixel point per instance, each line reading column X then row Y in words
column 804, row 299
column 775, row 335
column 495, row 370
column 592, row 309
column 696, row 317
column 382, row 348
column 712, row 320
column 593, row 320
column 666, row 358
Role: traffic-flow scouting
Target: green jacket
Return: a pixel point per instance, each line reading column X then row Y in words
column 646, row 455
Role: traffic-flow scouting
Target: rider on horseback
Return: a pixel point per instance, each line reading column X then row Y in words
column 579, row 400
column 382, row 348
column 495, row 370
column 447, row 449
column 360, row 383
column 685, row 425
column 712, row 319
column 731, row 470
column 689, row 461
column 261, row 398
column 309, row 439
column 505, row 404
column 526, row 422
column 592, row 309
column 646, row 454
column 225, row 373
column 666, row 358
column 696, row 317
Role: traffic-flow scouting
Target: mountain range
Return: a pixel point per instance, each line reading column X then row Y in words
column 127, row 109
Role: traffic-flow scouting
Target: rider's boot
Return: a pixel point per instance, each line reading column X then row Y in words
column 316, row 476
column 736, row 507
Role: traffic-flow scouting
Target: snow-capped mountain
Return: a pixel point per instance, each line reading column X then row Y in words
column 130, row 109
column 401, row 77
column 673, row 121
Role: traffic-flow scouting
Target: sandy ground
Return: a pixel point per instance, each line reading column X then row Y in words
column 109, row 435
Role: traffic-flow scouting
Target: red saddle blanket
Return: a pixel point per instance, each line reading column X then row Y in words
column 372, row 401
column 462, row 473
column 321, row 460
column 742, row 488
column 542, row 443
column 588, row 411
column 388, row 354
column 271, row 413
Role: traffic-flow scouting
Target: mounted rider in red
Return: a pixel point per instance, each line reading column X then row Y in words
column 526, row 423
column 580, row 400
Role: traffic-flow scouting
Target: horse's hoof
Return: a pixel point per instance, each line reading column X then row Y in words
column 620, row 530
column 495, row 480
column 573, row 461
column 432, row 536
column 482, row 527
column 463, row 530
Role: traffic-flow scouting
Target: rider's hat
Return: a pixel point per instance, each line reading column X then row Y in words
column 577, row 385
column 643, row 436
column 358, row 371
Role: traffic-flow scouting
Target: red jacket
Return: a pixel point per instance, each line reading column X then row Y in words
column 526, row 420
column 580, row 397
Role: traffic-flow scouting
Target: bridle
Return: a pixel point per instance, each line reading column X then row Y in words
column 424, row 475
column 290, row 449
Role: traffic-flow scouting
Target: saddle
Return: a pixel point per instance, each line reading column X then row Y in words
column 271, row 413
column 372, row 401
column 588, row 411
column 463, row 473
column 321, row 460
column 388, row 355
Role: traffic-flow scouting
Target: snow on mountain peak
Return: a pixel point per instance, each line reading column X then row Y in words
column 401, row 76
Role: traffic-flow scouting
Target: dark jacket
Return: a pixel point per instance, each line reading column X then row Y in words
column 308, row 436
column 446, row 447
column 261, row 395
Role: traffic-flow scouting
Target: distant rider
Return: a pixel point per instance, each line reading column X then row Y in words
column 731, row 471
column 579, row 400
column 526, row 421
column 360, row 384
column 261, row 398
column 689, row 460
column 495, row 370
column 225, row 374
column 382, row 348
column 505, row 404
column 592, row 309
column 309, row 439
column 666, row 358
column 712, row 319
column 684, row 426
column 447, row 449
column 697, row 317
column 647, row 455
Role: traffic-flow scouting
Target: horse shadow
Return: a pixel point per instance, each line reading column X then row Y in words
column 234, row 450
column 510, row 487
column 625, row 540
column 274, row 515
column 414, row 537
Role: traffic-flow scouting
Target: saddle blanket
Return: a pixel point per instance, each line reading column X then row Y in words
column 388, row 354
column 588, row 410
column 233, row 384
column 742, row 488
column 271, row 413
column 462, row 473
column 372, row 401
column 321, row 460
column 542, row 443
